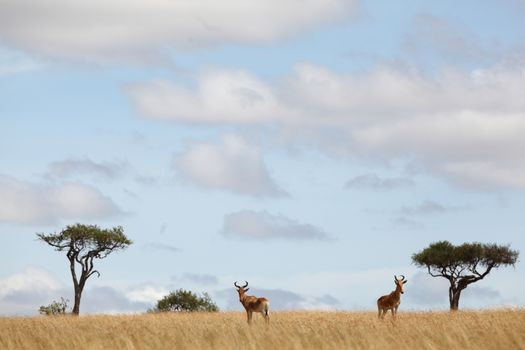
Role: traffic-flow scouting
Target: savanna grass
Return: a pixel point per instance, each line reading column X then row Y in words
column 497, row 329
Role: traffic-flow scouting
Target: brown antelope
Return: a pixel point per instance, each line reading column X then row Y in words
column 392, row 300
column 253, row 304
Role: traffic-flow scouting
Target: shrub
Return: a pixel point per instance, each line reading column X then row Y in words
column 55, row 308
column 185, row 300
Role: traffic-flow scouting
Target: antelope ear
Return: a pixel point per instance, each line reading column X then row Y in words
column 405, row 281
column 247, row 289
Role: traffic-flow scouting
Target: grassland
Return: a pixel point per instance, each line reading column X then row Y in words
column 498, row 329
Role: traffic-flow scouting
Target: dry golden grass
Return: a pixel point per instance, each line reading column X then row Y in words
column 500, row 329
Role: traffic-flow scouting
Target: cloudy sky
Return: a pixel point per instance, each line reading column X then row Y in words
column 309, row 147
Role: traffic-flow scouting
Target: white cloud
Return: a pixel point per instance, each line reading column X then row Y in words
column 30, row 278
column 263, row 226
column 147, row 294
column 235, row 97
column 136, row 30
column 40, row 203
column 233, row 165
column 71, row 167
column 23, row 292
column 466, row 128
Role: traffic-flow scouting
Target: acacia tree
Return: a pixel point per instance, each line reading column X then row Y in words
column 463, row 264
column 83, row 244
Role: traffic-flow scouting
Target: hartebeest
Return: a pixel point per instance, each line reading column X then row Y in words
column 253, row 304
column 392, row 300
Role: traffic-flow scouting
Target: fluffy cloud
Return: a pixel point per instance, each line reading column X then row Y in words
column 327, row 98
column 235, row 97
column 134, row 30
column 37, row 203
column 264, row 226
column 232, row 165
column 30, row 278
column 146, row 294
column 456, row 125
column 373, row 181
column 23, row 292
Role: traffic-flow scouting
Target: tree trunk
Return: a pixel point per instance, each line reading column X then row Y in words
column 77, row 285
column 78, row 296
column 454, row 295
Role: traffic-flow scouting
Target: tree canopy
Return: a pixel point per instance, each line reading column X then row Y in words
column 83, row 244
column 463, row 264
column 91, row 239
column 185, row 300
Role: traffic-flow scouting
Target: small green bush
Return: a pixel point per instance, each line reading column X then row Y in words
column 185, row 300
column 55, row 308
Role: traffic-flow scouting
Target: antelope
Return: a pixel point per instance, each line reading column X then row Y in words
column 391, row 301
column 253, row 304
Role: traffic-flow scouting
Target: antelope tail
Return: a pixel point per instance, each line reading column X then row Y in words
column 267, row 313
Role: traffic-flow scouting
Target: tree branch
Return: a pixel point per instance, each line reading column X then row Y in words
column 92, row 273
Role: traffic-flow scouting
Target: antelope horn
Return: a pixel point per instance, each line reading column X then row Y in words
column 235, row 284
column 395, row 277
column 246, row 285
column 402, row 277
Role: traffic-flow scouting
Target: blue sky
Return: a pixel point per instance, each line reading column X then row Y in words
column 307, row 147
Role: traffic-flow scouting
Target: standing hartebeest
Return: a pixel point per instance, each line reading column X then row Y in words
column 392, row 300
column 253, row 304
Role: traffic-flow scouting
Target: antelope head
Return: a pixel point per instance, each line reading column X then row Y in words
column 241, row 289
column 399, row 283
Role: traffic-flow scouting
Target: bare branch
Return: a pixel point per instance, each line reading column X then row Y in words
column 92, row 273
